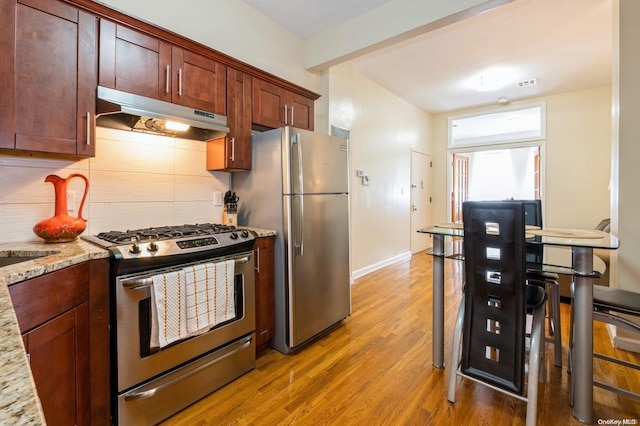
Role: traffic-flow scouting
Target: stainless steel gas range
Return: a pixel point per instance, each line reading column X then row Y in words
column 182, row 315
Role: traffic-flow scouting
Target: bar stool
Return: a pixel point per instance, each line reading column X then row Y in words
column 549, row 280
column 490, row 331
column 608, row 303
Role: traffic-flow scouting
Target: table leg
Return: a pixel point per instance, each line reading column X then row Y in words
column 582, row 364
column 438, row 301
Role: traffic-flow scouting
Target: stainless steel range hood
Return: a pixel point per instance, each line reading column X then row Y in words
column 126, row 111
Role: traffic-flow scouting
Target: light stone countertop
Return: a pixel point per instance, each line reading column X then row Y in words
column 260, row 232
column 19, row 403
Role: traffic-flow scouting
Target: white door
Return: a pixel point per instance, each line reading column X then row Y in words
column 420, row 200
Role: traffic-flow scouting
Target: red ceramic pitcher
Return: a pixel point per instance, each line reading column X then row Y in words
column 62, row 228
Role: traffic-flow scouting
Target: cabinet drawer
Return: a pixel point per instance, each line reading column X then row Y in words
column 39, row 299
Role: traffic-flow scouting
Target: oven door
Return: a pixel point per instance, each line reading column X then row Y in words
column 136, row 361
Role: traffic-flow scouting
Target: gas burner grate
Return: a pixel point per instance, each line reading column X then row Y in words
column 164, row 232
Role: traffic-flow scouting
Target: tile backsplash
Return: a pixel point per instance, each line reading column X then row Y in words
column 135, row 180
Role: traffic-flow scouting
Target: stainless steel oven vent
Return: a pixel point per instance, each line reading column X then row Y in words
column 126, row 111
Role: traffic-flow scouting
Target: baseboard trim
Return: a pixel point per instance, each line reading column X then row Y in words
column 622, row 342
column 371, row 268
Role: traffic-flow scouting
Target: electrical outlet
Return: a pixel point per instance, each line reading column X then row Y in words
column 71, row 201
column 217, row 198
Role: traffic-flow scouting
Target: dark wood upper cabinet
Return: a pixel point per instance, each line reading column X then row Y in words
column 301, row 111
column 199, row 82
column 138, row 63
column 233, row 153
column 48, row 70
column 55, row 54
column 275, row 106
column 134, row 62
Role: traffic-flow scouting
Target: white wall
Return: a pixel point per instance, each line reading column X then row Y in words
column 384, row 130
column 625, row 194
column 135, row 181
column 626, row 107
column 391, row 22
column 577, row 158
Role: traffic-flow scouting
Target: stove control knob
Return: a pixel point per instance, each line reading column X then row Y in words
column 234, row 236
column 245, row 233
column 152, row 246
column 135, row 248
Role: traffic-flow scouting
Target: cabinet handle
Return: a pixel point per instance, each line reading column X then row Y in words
column 292, row 115
column 257, row 267
column 88, row 128
column 166, row 84
column 233, row 149
column 285, row 114
column 180, row 82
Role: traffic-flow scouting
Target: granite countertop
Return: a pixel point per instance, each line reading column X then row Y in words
column 19, row 402
column 260, row 232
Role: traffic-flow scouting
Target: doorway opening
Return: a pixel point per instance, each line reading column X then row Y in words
column 494, row 174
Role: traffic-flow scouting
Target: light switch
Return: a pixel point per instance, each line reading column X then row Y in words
column 217, row 198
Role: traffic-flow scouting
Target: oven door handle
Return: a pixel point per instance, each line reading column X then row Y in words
column 138, row 283
column 146, row 392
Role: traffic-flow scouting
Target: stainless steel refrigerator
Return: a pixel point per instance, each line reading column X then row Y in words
column 298, row 185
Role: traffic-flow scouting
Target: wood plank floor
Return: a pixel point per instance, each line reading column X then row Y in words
column 375, row 369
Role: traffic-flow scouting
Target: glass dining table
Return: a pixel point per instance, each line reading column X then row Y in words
column 581, row 242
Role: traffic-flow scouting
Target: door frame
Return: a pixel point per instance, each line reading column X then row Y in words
column 419, row 242
column 539, row 164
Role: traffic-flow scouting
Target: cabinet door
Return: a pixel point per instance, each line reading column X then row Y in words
column 274, row 106
column 134, row 62
column 57, row 355
column 268, row 104
column 198, row 82
column 7, row 73
column 264, row 292
column 300, row 111
column 49, row 81
column 233, row 152
column 53, row 315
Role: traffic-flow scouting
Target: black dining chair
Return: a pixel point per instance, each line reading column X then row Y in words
column 490, row 332
column 608, row 304
column 537, row 275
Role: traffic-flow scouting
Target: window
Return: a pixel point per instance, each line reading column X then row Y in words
column 512, row 124
column 496, row 155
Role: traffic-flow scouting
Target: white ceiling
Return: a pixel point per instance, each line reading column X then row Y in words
column 565, row 45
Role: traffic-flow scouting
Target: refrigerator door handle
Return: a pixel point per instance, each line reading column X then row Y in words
column 295, row 140
column 298, row 244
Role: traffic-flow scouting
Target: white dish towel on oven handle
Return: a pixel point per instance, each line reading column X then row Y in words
column 210, row 295
column 169, row 321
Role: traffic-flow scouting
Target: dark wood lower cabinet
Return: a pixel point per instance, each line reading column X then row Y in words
column 64, row 319
column 264, row 292
column 59, row 363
